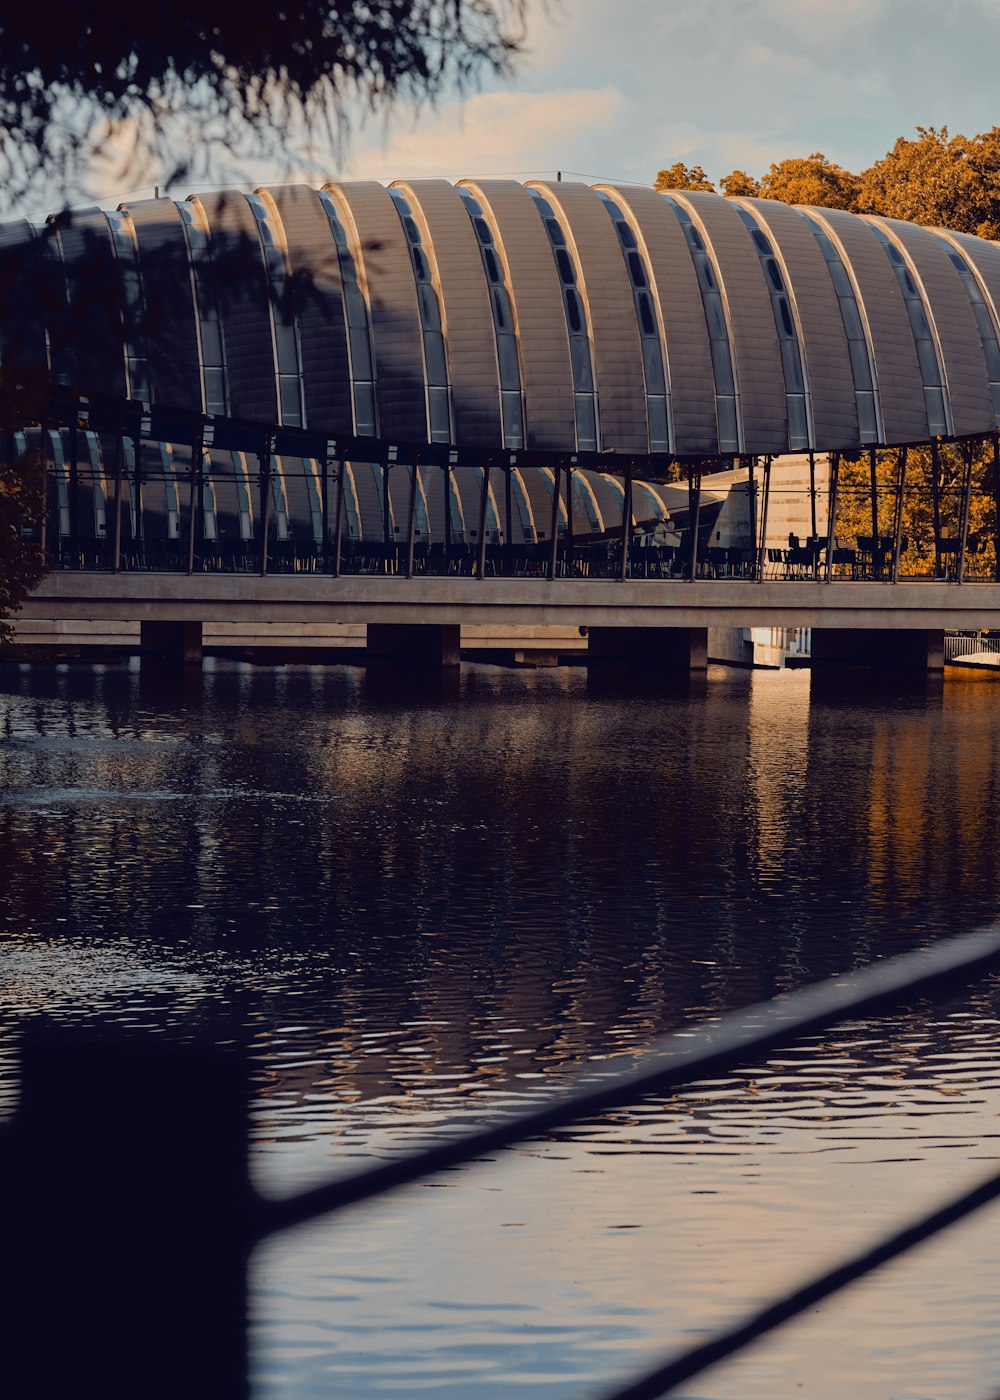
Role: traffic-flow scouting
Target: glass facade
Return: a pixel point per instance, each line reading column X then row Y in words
column 133, row 306
column 931, row 370
column 796, row 400
column 577, row 326
column 359, row 340
column 284, row 331
column 504, row 328
column 859, row 347
column 648, row 321
column 985, row 323
column 210, row 347
column 727, row 406
column 437, row 383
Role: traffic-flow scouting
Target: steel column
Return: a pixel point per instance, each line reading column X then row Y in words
column 554, row 536
column 197, row 463
column 996, row 507
column 873, row 473
column 626, row 521
column 264, row 458
column 387, row 538
column 509, row 504
column 963, row 526
column 411, row 519
column 897, row 519
column 831, row 527
column 765, row 502
column 484, row 499
column 74, row 493
column 936, row 506
column 339, row 521
column 694, row 515
column 324, row 489
column 117, row 546
column 43, row 461
column 140, row 527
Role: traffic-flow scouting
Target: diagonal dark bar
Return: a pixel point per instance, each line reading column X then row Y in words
column 678, row 1060
column 666, row 1377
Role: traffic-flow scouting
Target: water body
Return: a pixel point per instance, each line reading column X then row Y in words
column 417, row 909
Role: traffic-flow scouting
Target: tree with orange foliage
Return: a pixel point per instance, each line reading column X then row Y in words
column 683, row 177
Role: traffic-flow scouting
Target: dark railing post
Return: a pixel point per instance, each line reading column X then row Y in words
column 447, row 514
column 127, row 1220
column 568, row 553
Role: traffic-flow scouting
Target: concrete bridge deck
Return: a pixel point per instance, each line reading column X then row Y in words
column 436, row 601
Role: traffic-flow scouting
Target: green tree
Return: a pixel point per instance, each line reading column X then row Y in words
column 683, row 177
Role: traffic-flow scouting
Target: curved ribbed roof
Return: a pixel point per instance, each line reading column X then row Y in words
column 548, row 316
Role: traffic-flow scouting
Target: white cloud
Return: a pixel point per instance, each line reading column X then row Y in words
column 621, row 90
column 497, row 133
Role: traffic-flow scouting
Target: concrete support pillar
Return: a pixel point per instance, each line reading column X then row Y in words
column 175, row 642
column 415, row 644
column 649, row 648
column 914, row 652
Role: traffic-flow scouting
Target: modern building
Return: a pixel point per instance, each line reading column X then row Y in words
column 570, row 337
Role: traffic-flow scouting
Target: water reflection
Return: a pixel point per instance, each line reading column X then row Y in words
column 414, row 907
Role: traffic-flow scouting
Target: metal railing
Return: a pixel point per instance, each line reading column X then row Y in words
column 959, row 644
column 131, row 1219
column 551, row 551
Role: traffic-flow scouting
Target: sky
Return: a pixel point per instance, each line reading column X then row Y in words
column 621, row 88
column 617, row 89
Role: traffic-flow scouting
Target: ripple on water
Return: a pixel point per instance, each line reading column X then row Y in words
column 414, row 913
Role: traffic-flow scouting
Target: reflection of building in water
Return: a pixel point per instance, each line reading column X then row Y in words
column 451, row 897
column 782, row 519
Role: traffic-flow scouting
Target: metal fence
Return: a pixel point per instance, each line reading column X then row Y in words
column 130, row 1218
column 962, row 644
